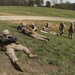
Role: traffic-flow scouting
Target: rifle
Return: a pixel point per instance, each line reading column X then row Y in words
column 7, row 41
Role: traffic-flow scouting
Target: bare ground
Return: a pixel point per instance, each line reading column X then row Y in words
column 9, row 18
column 30, row 67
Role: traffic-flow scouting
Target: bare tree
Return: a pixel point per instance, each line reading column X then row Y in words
column 61, row 1
column 67, row 1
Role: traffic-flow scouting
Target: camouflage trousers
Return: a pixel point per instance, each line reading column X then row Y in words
column 61, row 31
column 38, row 36
column 70, row 34
column 10, row 50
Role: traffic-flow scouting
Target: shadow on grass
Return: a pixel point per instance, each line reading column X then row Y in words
column 65, row 37
column 16, row 66
column 15, row 27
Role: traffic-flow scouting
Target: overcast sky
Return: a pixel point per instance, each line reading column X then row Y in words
column 72, row 1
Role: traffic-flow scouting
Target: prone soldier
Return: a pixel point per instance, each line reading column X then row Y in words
column 10, row 44
column 20, row 27
column 28, row 30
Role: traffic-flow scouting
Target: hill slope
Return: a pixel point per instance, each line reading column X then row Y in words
column 56, row 57
column 36, row 11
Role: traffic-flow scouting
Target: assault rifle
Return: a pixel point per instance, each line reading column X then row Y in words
column 7, row 41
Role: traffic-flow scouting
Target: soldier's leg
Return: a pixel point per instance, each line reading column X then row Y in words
column 42, row 37
column 37, row 37
column 10, row 52
column 26, row 50
column 61, row 32
column 69, row 35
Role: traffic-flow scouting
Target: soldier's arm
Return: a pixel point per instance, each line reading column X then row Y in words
column 3, row 48
column 17, row 42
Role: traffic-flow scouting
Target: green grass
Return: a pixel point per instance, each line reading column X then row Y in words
column 59, row 51
column 38, row 11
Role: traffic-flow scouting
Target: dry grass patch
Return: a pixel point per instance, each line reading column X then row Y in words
column 6, row 14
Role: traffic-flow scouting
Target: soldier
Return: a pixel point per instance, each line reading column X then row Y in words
column 45, row 28
column 10, row 44
column 71, row 30
column 28, row 30
column 22, row 25
column 61, row 28
column 74, row 25
column 33, row 27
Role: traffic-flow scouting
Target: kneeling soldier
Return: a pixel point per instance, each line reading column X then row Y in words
column 10, row 44
column 46, row 27
column 33, row 27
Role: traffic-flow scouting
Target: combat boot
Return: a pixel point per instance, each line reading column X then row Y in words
column 18, row 66
column 32, row 56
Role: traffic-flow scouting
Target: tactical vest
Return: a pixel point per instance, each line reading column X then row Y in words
column 7, row 41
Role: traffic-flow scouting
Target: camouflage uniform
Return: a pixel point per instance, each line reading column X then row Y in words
column 74, row 25
column 45, row 28
column 33, row 27
column 22, row 25
column 71, row 30
column 61, row 28
column 27, row 30
column 10, row 48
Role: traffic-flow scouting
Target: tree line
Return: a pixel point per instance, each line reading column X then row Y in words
column 61, row 5
column 68, row 6
column 20, row 2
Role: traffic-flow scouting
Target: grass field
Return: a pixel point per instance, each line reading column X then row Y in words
column 38, row 11
column 56, row 57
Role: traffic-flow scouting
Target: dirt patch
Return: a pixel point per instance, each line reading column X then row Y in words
column 40, row 24
column 54, row 27
column 31, row 67
column 6, row 14
column 58, row 14
column 39, row 68
column 46, row 67
column 3, row 13
column 27, row 21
